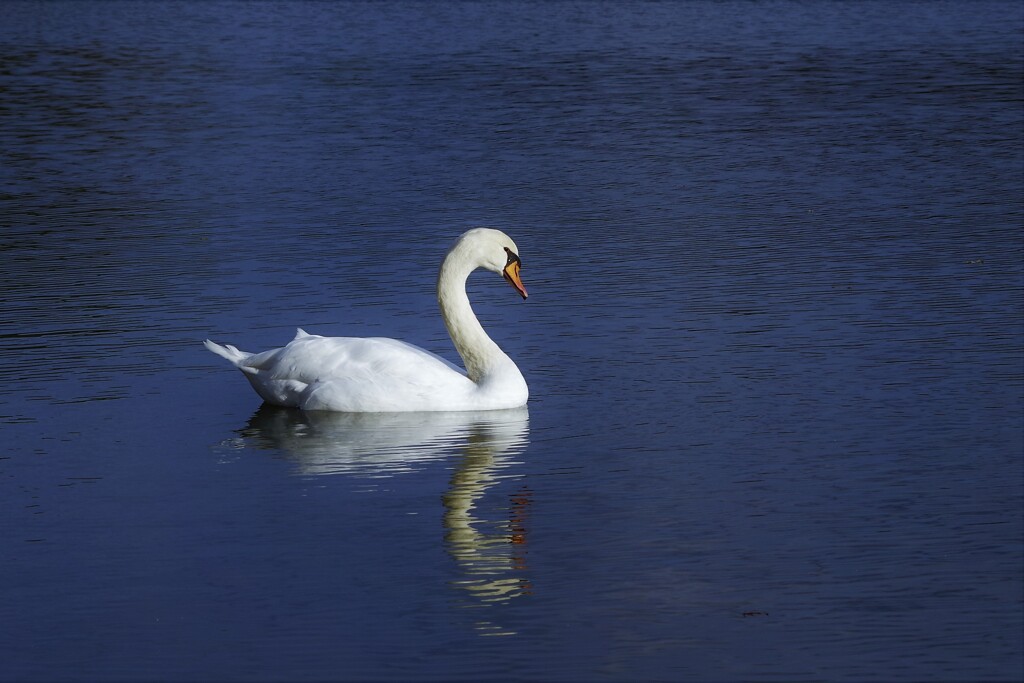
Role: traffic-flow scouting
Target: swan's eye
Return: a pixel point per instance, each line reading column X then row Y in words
column 512, row 257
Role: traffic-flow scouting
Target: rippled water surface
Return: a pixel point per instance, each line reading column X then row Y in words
column 774, row 340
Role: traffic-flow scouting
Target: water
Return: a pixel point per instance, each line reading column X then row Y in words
column 774, row 340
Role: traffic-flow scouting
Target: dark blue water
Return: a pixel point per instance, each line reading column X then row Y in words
column 775, row 340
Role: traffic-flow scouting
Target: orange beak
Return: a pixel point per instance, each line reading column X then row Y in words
column 511, row 273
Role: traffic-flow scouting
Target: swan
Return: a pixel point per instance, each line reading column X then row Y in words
column 378, row 375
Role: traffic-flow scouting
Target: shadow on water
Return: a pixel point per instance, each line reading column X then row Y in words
column 490, row 554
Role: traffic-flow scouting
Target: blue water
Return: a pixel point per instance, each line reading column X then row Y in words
column 775, row 340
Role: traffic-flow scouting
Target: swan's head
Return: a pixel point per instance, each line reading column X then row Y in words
column 493, row 250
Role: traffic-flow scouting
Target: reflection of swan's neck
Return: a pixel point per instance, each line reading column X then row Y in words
column 479, row 353
column 488, row 558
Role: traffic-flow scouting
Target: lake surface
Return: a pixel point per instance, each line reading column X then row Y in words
column 774, row 340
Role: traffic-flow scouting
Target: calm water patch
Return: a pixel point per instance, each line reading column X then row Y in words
column 774, row 340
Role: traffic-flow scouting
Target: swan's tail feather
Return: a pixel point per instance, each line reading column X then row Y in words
column 300, row 333
column 229, row 352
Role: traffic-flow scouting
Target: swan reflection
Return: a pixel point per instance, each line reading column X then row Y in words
column 490, row 554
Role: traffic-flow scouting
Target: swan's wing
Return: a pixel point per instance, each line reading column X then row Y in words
column 311, row 357
column 354, row 374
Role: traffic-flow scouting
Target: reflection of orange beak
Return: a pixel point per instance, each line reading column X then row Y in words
column 511, row 273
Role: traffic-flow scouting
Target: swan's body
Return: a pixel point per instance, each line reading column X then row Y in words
column 364, row 375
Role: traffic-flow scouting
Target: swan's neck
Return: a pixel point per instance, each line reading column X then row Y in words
column 482, row 357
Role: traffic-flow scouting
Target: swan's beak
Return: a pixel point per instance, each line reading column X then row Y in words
column 511, row 273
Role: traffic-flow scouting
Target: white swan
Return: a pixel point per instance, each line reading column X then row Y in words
column 376, row 375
